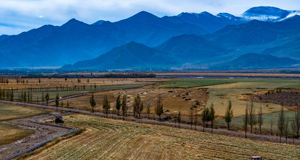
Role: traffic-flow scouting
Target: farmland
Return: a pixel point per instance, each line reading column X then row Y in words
column 113, row 139
column 145, row 140
column 10, row 133
column 174, row 100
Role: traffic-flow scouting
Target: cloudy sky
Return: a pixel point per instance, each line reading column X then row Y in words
column 21, row 15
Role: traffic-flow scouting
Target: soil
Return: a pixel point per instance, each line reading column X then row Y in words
column 287, row 97
column 42, row 133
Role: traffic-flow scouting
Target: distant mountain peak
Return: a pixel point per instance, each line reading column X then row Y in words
column 143, row 14
column 205, row 13
column 72, row 22
column 265, row 13
column 100, row 22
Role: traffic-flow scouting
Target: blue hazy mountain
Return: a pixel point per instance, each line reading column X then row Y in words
column 190, row 48
column 255, row 33
column 185, row 38
column 129, row 56
column 261, row 61
column 75, row 40
column 207, row 21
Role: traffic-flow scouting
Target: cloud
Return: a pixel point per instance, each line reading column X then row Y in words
column 34, row 13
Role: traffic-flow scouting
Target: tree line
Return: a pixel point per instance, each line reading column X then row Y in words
column 250, row 120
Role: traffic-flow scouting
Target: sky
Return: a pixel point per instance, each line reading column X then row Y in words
column 17, row 16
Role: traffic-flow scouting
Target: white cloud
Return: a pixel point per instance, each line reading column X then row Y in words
column 35, row 13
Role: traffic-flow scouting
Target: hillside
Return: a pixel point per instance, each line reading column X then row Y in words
column 253, row 60
column 190, row 48
column 129, row 56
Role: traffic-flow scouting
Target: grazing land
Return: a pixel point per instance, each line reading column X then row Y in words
column 114, row 139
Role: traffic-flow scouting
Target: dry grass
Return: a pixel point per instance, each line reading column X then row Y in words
column 220, row 94
column 112, row 139
column 11, row 133
column 70, row 82
column 9, row 112
column 173, row 99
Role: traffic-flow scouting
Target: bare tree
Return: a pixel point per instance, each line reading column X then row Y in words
column 159, row 110
column 246, row 119
column 252, row 118
column 229, row 114
column 118, row 104
column 124, row 106
column 92, row 102
column 191, row 116
column 57, row 101
column 260, row 119
column 106, row 105
column 205, row 117
column 286, row 130
column 138, row 105
column 281, row 122
column 296, row 122
column 212, row 116
column 46, row 97
column 179, row 118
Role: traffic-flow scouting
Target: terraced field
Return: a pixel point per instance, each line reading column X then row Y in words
column 111, row 139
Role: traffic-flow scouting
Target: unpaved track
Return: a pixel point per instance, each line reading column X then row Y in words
column 42, row 133
column 148, row 121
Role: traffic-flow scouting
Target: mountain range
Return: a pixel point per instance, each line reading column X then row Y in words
column 145, row 41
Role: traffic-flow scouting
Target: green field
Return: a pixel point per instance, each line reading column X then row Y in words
column 188, row 83
column 11, row 133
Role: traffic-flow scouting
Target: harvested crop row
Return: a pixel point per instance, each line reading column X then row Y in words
column 113, row 139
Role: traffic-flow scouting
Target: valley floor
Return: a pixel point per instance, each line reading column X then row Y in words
column 114, row 139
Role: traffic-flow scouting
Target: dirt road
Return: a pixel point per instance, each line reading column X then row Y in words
column 42, row 133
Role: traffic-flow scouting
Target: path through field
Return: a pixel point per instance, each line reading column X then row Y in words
column 42, row 133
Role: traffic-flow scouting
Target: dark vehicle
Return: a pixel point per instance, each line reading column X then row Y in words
column 58, row 119
column 167, row 118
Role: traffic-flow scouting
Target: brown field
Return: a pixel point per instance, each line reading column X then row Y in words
column 60, row 82
column 113, row 139
column 174, row 100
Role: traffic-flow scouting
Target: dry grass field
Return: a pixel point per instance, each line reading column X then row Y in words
column 9, row 112
column 174, row 100
column 10, row 133
column 70, row 82
column 113, row 139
